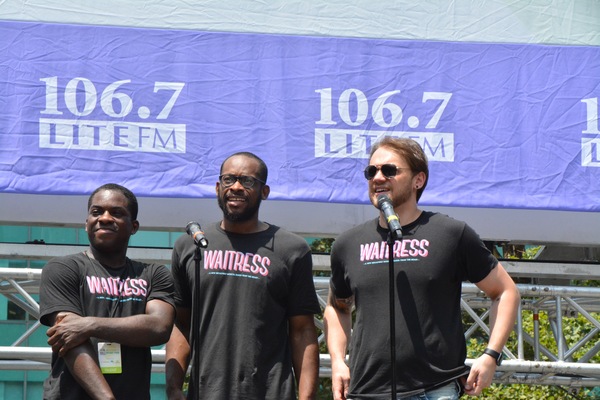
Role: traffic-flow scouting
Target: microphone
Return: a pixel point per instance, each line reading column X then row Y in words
column 385, row 205
column 193, row 229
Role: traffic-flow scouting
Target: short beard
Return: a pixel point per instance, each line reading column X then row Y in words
column 243, row 216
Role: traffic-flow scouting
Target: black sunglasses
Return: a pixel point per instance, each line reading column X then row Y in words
column 388, row 170
column 245, row 180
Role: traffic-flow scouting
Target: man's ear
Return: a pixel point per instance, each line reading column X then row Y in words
column 265, row 192
column 136, row 226
column 419, row 180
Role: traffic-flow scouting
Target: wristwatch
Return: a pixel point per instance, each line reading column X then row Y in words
column 494, row 354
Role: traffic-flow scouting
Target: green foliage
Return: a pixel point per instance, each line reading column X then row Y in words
column 528, row 392
column 515, row 251
column 322, row 245
column 324, row 392
column 592, row 283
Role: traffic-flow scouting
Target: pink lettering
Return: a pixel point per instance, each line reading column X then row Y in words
column 266, row 263
column 230, row 263
column 255, row 268
column 364, row 250
column 212, row 259
column 402, row 249
column 105, row 286
column 424, row 245
column 239, row 261
column 94, row 284
column 127, row 288
column 143, row 287
column 246, row 265
column 117, row 287
column 236, row 261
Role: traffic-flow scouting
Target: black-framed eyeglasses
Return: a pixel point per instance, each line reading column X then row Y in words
column 246, row 181
column 388, row 170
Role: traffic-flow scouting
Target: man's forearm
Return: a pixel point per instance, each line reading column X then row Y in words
column 306, row 367
column 338, row 325
column 176, row 362
column 83, row 365
column 308, row 376
column 503, row 314
column 137, row 330
column 305, row 354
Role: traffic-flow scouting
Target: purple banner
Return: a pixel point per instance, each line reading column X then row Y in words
column 511, row 126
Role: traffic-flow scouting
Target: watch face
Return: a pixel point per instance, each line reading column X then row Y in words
column 499, row 360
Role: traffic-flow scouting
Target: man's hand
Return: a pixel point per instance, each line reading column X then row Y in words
column 481, row 375
column 340, row 380
column 69, row 331
column 337, row 321
column 175, row 394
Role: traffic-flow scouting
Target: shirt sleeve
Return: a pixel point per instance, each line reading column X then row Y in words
column 179, row 272
column 476, row 257
column 162, row 285
column 303, row 297
column 339, row 284
column 59, row 289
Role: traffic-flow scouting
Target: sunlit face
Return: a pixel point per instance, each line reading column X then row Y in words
column 237, row 202
column 398, row 188
column 109, row 224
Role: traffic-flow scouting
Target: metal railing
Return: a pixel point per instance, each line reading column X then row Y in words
column 564, row 361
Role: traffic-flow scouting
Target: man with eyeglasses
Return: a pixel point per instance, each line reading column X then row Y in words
column 431, row 260
column 257, row 337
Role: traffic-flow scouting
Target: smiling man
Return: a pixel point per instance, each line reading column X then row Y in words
column 432, row 258
column 257, row 338
column 104, row 310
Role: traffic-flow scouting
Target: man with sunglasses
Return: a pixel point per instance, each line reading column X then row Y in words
column 257, row 337
column 431, row 260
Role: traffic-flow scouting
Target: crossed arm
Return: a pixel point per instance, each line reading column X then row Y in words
column 70, row 336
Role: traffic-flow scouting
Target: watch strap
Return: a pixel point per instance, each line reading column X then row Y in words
column 494, row 354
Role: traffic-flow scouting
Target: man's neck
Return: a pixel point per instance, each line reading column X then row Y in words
column 110, row 260
column 244, row 227
column 408, row 216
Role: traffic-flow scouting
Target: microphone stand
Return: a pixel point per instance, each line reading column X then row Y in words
column 195, row 334
column 390, row 241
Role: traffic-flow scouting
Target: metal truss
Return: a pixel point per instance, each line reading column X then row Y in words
column 563, row 361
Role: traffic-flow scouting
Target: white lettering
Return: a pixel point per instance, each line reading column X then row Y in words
column 590, row 152
column 352, row 143
column 112, row 135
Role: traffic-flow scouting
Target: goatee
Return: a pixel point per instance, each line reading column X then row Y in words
column 241, row 216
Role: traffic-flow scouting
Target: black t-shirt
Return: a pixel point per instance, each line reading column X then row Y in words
column 434, row 256
column 250, row 285
column 81, row 285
